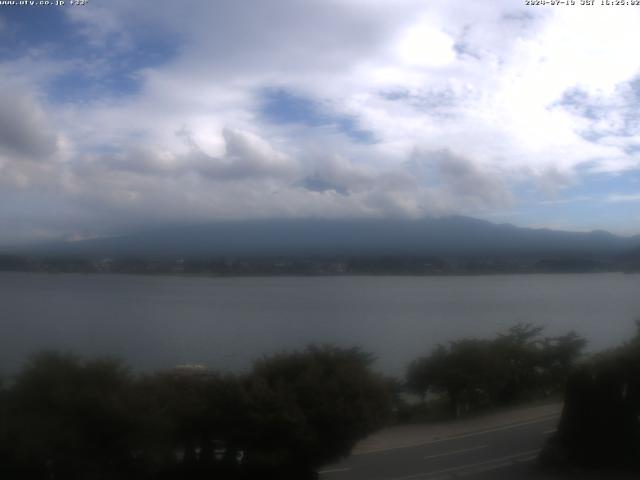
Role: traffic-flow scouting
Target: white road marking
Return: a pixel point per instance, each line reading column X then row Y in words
column 543, row 419
column 547, row 432
column 455, row 452
column 496, row 466
column 333, row 470
column 483, row 469
column 494, row 463
column 491, row 430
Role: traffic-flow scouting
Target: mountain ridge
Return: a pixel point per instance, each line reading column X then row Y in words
column 443, row 236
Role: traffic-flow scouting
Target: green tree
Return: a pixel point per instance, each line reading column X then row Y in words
column 67, row 418
column 6, row 456
column 558, row 357
column 311, row 407
column 461, row 371
column 185, row 417
column 600, row 423
column 514, row 366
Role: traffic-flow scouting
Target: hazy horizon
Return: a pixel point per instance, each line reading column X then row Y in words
column 176, row 228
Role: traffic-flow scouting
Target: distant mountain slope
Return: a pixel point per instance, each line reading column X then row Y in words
column 446, row 236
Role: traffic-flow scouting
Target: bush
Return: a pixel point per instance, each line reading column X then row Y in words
column 311, row 407
column 600, row 423
column 68, row 418
column 517, row 365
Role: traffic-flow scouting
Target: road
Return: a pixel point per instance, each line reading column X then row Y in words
column 496, row 451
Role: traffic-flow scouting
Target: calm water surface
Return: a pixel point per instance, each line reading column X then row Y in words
column 154, row 322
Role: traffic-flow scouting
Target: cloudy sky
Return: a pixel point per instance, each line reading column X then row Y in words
column 122, row 115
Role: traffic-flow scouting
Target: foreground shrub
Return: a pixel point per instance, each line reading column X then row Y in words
column 71, row 419
column 310, row 408
column 67, row 418
column 518, row 365
column 600, row 424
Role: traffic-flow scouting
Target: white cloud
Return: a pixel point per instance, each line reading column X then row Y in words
column 474, row 95
column 422, row 45
column 619, row 197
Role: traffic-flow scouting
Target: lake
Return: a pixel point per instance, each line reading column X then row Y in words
column 161, row 321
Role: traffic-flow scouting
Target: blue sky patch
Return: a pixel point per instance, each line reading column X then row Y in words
column 316, row 183
column 94, row 70
column 283, row 107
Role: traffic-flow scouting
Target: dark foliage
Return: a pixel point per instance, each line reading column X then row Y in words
column 518, row 365
column 331, row 400
column 600, row 424
column 67, row 418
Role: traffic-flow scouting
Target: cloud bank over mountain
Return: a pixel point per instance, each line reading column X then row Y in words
column 117, row 117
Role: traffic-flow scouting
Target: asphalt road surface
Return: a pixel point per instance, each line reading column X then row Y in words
column 501, row 452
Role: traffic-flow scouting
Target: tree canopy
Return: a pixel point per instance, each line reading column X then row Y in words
column 515, row 365
column 68, row 418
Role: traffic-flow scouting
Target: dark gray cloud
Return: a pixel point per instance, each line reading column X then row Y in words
column 24, row 129
column 463, row 180
column 274, row 35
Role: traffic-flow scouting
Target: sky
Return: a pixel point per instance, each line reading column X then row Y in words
column 120, row 115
